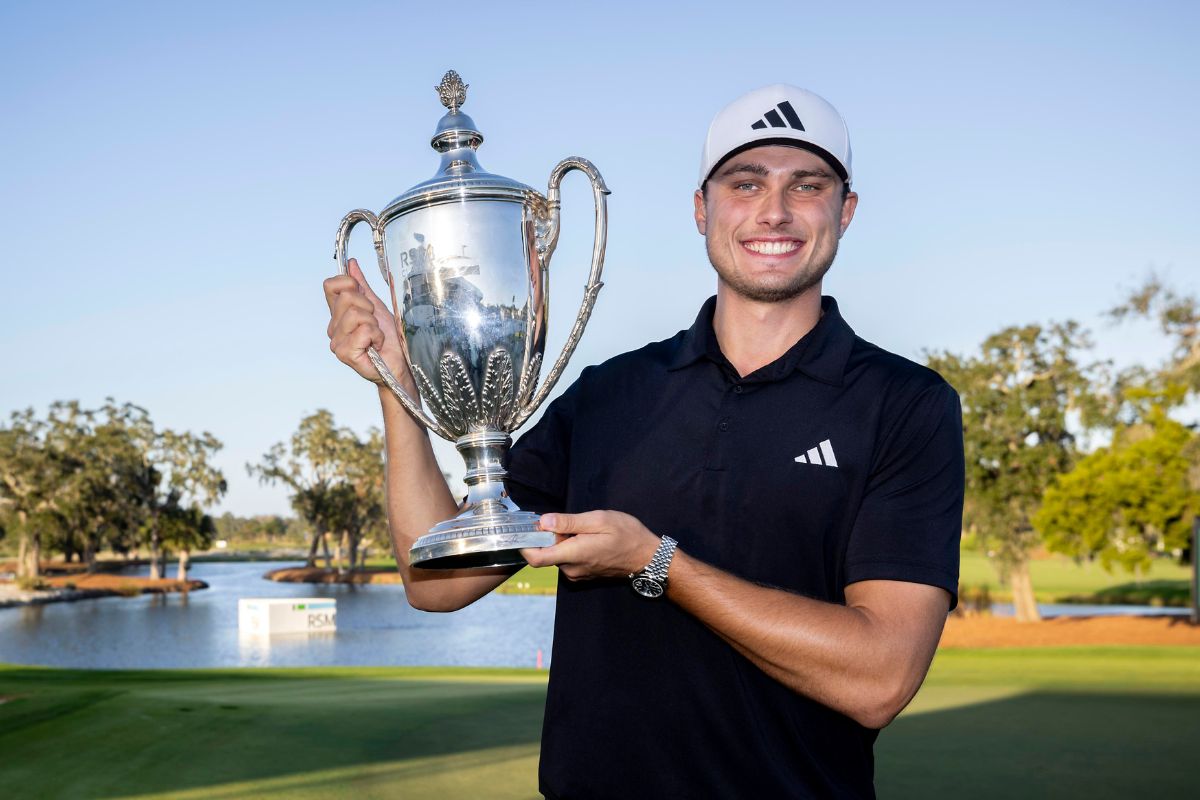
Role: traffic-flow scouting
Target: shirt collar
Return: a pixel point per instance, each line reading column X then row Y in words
column 821, row 353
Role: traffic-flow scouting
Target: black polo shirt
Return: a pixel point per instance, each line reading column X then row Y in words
column 837, row 463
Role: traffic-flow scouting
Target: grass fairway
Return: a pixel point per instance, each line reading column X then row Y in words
column 353, row 733
column 1097, row 723
column 1057, row 577
column 1046, row 723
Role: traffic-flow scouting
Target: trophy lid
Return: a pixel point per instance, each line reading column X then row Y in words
column 459, row 177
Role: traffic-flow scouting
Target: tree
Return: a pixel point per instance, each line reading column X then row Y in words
column 103, row 507
column 1125, row 503
column 271, row 528
column 1017, row 396
column 186, row 528
column 363, row 513
column 35, row 469
column 1178, row 317
column 78, row 478
column 309, row 467
column 177, row 475
column 1172, row 383
column 199, row 484
column 336, row 481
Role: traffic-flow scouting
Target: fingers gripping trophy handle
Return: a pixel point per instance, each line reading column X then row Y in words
column 600, row 194
column 413, row 407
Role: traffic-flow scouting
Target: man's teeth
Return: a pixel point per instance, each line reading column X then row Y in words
column 772, row 248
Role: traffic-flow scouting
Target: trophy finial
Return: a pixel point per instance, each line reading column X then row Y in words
column 452, row 91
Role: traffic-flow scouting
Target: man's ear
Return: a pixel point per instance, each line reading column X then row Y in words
column 849, row 204
column 701, row 220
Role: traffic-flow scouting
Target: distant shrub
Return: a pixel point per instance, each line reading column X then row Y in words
column 974, row 600
column 1159, row 593
column 128, row 590
column 28, row 584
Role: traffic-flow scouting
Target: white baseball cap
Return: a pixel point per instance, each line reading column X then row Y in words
column 778, row 114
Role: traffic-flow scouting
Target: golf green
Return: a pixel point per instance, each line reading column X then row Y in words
column 1069, row 722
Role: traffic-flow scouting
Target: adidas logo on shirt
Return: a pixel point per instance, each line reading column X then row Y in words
column 774, row 119
column 821, row 455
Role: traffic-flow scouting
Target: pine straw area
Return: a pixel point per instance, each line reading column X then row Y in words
column 60, row 575
column 984, row 631
column 322, row 575
column 67, row 588
column 123, row 584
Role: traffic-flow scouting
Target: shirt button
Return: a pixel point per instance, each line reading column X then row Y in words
column 737, row 389
column 724, row 426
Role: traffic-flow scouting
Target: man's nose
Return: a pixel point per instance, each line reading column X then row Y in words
column 774, row 210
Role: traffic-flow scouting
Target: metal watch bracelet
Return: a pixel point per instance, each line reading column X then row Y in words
column 651, row 582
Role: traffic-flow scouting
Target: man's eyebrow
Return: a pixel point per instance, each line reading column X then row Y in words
column 762, row 171
column 811, row 173
column 743, row 166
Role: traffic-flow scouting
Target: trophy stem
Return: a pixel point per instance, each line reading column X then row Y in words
column 491, row 530
column 484, row 453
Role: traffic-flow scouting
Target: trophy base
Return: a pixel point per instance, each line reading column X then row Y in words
column 476, row 541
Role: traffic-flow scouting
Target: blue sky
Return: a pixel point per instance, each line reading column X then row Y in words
column 173, row 176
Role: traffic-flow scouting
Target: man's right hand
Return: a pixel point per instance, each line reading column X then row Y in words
column 416, row 492
column 359, row 319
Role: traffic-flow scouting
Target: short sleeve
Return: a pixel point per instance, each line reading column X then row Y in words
column 539, row 462
column 910, row 521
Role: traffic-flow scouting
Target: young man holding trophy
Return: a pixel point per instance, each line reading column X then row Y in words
column 756, row 520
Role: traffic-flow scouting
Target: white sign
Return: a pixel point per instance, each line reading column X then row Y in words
column 287, row 614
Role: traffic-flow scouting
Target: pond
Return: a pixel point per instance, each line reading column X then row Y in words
column 1080, row 610
column 376, row 627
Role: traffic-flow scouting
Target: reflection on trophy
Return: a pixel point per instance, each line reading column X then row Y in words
column 465, row 257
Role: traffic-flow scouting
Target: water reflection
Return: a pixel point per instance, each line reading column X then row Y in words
column 1050, row 610
column 376, row 627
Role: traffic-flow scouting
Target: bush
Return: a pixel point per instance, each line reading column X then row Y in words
column 28, row 584
column 974, row 601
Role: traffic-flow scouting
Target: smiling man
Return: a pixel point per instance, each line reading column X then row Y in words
column 759, row 516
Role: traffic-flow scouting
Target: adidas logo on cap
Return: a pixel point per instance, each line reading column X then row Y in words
column 774, row 119
column 792, row 116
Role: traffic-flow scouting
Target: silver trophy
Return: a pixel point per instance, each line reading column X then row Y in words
column 465, row 257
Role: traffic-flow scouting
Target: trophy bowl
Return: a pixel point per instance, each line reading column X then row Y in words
column 465, row 257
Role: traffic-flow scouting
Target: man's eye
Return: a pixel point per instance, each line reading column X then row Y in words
column 745, row 186
column 808, row 187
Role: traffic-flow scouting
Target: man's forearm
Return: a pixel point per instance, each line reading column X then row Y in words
column 864, row 664
column 866, row 658
column 417, row 499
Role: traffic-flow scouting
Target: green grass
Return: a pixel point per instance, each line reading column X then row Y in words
column 1039, row 723
column 1059, row 579
column 543, row 580
column 528, row 581
column 1048, row 723
column 354, row 733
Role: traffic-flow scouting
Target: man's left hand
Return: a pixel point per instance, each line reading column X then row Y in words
column 595, row 544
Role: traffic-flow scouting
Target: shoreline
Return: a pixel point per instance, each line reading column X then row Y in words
column 91, row 587
column 383, row 576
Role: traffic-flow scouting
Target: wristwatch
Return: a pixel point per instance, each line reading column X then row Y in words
column 651, row 582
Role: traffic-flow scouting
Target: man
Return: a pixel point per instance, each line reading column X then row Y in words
column 793, row 493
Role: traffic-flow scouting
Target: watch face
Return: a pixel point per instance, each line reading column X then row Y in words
column 647, row 587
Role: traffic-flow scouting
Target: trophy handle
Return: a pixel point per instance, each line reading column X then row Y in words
column 413, row 407
column 600, row 194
